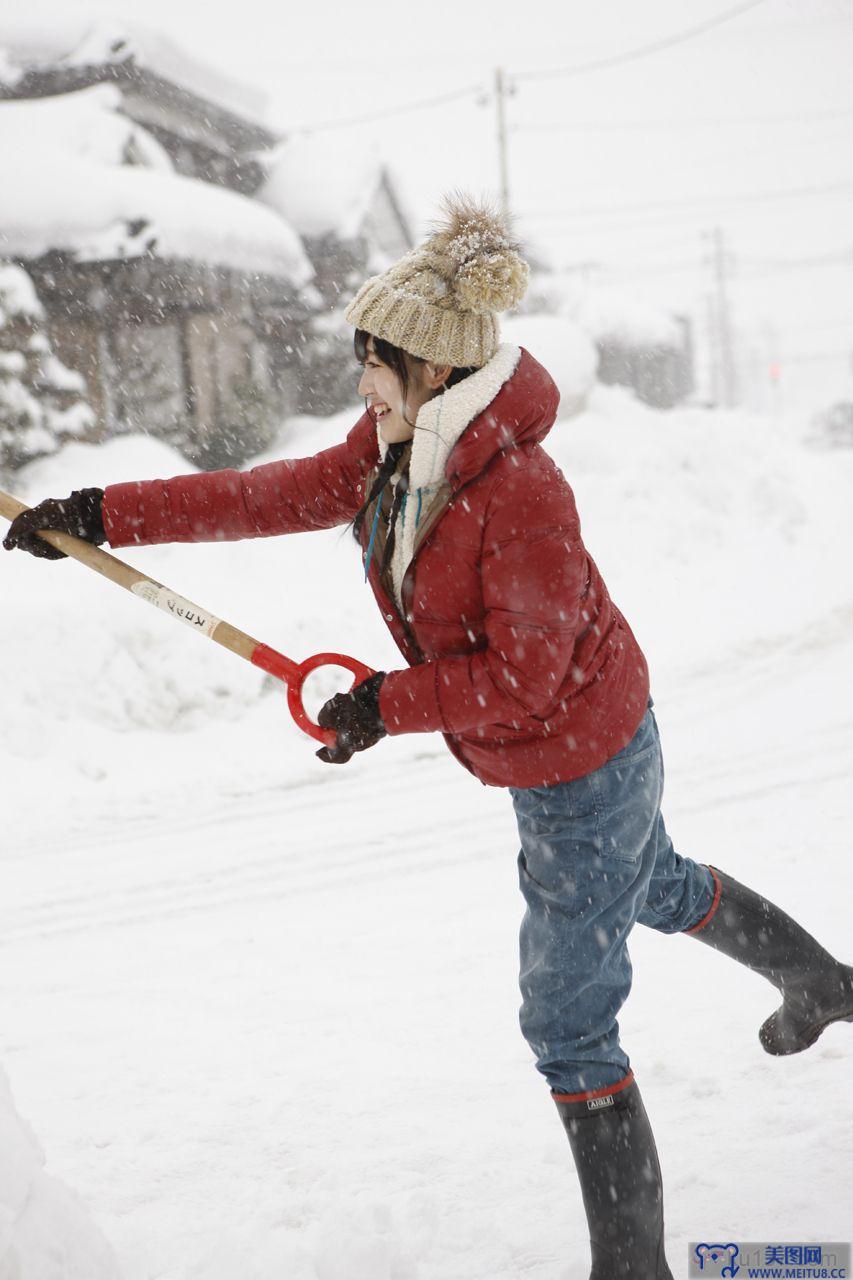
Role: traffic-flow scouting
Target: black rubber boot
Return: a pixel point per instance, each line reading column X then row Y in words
column 617, row 1164
column 816, row 988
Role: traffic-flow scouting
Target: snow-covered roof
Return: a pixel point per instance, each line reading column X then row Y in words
column 63, row 186
column 70, row 41
column 320, row 186
column 608, row 314
column 87, row 123
column 98, row 213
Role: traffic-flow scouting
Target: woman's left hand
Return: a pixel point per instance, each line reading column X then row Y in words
column 355, row 718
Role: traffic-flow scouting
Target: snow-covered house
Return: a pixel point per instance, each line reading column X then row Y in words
column 639, row 346
column 350, row 214
column 129, row 177
column 346, row 206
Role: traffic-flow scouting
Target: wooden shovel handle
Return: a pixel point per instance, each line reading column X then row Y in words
column 124, row 576
column 192, row 615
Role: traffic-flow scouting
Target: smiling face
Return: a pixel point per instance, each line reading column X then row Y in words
column 395, row 407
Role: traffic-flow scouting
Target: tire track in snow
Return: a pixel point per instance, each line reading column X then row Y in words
column 173, row 814
column 285, row 873
column 353, row 854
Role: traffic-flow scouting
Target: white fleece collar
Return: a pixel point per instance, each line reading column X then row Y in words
column 442, row 420
column 438, row 426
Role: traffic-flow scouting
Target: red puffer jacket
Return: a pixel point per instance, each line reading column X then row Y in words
column 517, row 654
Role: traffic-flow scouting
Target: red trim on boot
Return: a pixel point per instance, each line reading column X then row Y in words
column 595, row 1093
column 713, row 907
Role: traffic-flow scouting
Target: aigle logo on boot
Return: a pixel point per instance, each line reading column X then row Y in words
column 595, row 1104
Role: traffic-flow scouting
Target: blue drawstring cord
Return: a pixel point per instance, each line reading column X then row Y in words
column 373, row 532
column 376, row 521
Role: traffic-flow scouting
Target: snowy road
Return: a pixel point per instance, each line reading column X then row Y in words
column 278, row 1038
column 262, row 1013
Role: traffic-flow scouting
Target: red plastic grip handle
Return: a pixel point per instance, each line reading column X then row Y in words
column 294, row 674
column 294, row 690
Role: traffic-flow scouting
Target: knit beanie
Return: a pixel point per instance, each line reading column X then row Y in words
column 440, row 301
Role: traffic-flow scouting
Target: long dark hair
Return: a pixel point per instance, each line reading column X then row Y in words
column 401, row 363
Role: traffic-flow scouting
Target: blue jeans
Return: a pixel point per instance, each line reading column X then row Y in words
column 595, row 858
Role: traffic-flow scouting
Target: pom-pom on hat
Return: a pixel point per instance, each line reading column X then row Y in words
column 440, row 301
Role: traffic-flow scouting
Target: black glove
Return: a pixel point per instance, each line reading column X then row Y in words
column 79, row 513
column 355, row 718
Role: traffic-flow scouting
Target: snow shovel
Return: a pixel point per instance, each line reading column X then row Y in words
column 260, row 655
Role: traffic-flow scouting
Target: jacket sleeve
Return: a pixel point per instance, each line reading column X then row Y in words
column 291, row 496
column 533, row 571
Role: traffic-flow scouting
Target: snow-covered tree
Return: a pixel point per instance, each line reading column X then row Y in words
column 42, row 402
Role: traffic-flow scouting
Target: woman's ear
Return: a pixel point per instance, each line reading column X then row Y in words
column 435, row 375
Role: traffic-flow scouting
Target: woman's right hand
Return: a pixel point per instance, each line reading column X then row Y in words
column 78, row 514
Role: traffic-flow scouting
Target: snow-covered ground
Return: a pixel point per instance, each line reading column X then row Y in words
column 261, row 1012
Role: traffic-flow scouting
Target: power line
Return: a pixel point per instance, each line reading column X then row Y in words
column 837, row 255
column 679, row 221
column 750, row 197
column 622, row 269
column 664, row 247
column 673, row 268
column 758, row 266
column 710, row 122
column 642, row 51
column 422, row 104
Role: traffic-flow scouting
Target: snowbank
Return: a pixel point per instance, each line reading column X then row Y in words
column 565, row 351
column 139, row 683
column 46, row 1232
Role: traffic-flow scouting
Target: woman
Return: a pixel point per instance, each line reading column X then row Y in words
column 517, row 655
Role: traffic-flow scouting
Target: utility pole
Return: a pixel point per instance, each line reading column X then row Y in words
column 503, row 163
column 714, row 381
column 725, row 378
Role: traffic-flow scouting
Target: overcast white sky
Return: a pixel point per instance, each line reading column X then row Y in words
column 624, row 167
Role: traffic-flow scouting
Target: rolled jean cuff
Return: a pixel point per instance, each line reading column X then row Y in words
column 718, row 888
column 591, row 1094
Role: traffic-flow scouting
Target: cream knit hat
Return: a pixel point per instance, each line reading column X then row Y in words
column 439, row 302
